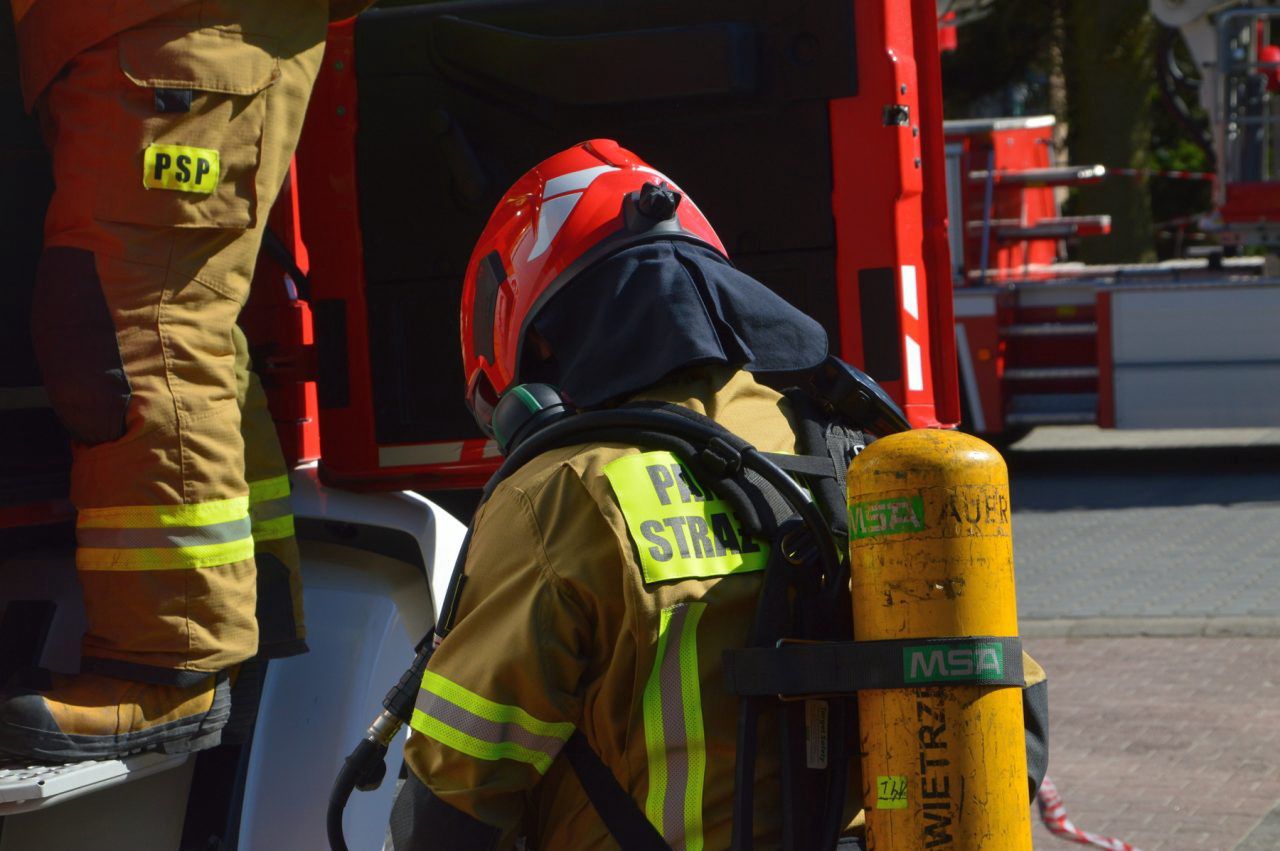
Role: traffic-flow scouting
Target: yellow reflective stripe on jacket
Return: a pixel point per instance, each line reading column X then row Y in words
column 163, row 558
column 481, row 728
column 265, row 489
column 164, row 537
column 674, row 735
column 152, row 516
column 270, row 509
column 680, row 529
column 274, row 529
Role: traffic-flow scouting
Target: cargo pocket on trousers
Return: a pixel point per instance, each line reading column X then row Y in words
column 186, row 132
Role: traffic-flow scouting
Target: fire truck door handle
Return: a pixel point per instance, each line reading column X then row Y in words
column 455, row 150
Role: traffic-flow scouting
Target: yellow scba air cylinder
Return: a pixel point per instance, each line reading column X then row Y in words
column 943, row 766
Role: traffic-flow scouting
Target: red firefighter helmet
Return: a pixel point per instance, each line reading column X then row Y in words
column 568, row 212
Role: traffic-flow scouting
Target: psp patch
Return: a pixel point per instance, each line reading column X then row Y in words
column 181, row 168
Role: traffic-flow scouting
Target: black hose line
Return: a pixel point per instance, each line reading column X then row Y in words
column 690, row 426
column 366, row 766
column 339, row 796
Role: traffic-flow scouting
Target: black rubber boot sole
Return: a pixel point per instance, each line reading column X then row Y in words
column 183, row 735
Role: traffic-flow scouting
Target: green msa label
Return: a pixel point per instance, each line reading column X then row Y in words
column 943, row 663
column 886, row 517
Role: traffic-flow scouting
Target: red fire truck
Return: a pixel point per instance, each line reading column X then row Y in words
column 810, row 134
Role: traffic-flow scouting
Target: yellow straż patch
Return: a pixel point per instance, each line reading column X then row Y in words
column 681, row 530
column 180, row 168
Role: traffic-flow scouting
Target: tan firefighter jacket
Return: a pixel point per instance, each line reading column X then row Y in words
column 603, row 586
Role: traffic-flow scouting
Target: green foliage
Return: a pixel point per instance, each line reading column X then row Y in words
column 1176, row 199
column 1176, row 203
column 1105, row 51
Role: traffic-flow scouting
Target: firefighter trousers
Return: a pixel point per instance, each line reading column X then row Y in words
column 170, row 142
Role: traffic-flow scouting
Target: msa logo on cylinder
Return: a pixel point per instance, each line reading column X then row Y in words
column 886, row 517
column 942, row 663
column 180, row 168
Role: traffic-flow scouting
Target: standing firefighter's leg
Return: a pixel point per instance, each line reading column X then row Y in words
column 170, row 142
column 275, row 549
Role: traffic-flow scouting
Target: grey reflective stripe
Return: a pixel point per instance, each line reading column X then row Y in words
column 675, row 738
column 492, row 732
column 673, row 732
column 165, row 536
column 270, row 509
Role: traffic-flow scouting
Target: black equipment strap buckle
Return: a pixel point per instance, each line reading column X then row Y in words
column 794, row 670
column 721, row 457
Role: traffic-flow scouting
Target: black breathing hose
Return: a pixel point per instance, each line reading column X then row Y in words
column 365, row 767
column 341, row 793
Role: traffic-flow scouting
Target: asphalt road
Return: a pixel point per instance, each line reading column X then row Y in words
column 1163, row 533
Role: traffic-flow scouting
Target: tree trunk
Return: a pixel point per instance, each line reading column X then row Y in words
column 1110, row 76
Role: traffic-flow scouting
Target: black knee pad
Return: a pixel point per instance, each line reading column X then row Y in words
column 76, row 347
column 277, row 628
column 420, row 820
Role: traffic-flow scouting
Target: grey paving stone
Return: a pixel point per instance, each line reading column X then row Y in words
column 1167, row 743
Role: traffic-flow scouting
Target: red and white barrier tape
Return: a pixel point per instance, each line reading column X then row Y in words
column 1054, row 815
column 1154, row 172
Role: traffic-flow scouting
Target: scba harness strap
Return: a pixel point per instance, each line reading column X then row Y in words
column 795, row 669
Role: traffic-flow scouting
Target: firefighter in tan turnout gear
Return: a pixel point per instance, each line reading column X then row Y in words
column 171, row 125
column 603, row 582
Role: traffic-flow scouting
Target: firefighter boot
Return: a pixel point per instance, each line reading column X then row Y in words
column 88, row 716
